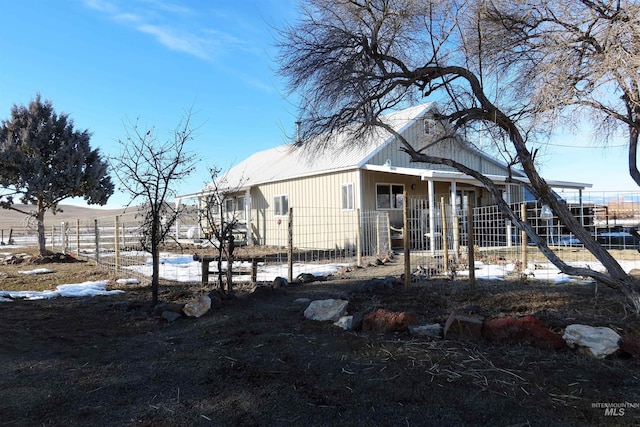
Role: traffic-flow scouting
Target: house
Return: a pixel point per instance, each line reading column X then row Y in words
column 351, row 177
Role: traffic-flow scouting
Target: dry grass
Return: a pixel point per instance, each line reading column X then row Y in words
column 13, row 278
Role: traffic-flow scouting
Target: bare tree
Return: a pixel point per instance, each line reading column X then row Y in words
column 148, row 169
column 573, row 58
column 221, row 212
column 353, row 60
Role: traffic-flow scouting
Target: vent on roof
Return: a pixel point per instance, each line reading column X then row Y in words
column 298, row 140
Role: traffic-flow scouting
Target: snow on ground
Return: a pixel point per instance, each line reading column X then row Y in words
column 541, row 271
column 184, row 269
column 36, row 271
column 86, row 289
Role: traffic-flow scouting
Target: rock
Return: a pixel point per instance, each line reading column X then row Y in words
column 524, row 330
column 170, row 315
column 598, row 342
column 345, row 322
column 302, row 301
column 385, row 321
column 343, row 270
column 130, row 281
column 280, row 282
column 216, row 302
column 432, row 331
column 465, row 327
column 328, row 309
column 198, row 307
column 378, row 284
column 358, row 320
column 267, row 291
column 13, row 259
column 175, row 307
column 630, row 344
column 305, row 278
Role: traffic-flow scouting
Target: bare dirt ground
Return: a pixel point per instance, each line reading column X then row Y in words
column 109, row 361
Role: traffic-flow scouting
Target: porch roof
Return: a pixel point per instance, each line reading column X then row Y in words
column 449, row 176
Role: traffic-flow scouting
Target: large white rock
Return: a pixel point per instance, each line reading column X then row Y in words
column 345, row 322
column 599, row 342
column 326, row 309
column 198, row 307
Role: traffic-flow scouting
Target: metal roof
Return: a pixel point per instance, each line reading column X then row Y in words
column 342, row 152
column 291, row 161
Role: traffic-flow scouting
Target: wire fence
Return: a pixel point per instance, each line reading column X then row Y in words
column 435, row 237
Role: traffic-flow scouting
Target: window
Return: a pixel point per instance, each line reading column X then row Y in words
column 240, row 204
column 281, row 205
column 389, row 196
column 347, row 196
column 229, row 206
column 429, row 126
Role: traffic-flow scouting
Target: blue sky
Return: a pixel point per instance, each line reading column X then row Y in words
column 109, row 62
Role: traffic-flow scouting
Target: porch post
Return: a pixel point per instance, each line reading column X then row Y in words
column 432, row 216
column 581, row 207
column 454, row 213
column 247, row 215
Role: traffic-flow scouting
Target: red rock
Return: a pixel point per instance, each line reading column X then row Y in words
column 384, row 321
column 630, row 344
column 459, row 326
column 523, row 330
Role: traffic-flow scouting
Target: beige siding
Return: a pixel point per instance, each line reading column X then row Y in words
column 453, row 149
column 319, row 220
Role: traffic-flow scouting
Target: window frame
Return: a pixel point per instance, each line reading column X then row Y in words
column 281, row 205
column 347, row 200
column 394, row 203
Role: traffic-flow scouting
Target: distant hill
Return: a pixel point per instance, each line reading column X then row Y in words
column 10, row 218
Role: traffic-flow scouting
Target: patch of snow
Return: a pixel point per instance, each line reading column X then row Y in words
column 37, row 271
column 542, row 271
column 184, row 269
column 74, row 290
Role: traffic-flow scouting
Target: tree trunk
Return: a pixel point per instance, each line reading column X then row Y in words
column 230, row 248
column 155, row 257
column 42, row 241
column 220, row 281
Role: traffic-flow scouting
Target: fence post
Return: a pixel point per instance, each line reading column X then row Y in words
column 97, row 234
column 378, row 233
column 359, row 238
column 53, row 238
column 290, row 249
column 406, row 243
column 65, row 237
column 445, row 243
column 77, row 237
column 471, row 243
column 116, row 243
column 523, row 235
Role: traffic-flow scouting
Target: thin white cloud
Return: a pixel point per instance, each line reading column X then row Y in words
column 173, row 26
column 187, row 43
column 205, row 34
